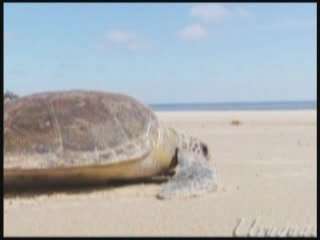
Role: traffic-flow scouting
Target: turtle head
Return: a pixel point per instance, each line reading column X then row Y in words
column 193, row 144
column 197, row 146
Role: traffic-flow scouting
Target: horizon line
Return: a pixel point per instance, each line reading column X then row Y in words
column 233, row 102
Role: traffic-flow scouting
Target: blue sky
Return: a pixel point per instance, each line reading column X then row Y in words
column 164, row 52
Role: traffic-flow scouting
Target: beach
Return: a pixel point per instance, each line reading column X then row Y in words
column 267, row 162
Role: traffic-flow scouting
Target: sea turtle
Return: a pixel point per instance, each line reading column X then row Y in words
column 94, row 136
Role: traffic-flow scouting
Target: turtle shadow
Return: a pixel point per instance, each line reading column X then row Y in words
column 32, row 189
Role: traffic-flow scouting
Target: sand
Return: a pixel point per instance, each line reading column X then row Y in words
column 267, row 164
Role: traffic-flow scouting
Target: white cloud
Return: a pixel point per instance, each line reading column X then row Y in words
column 193, row 32
column 213, row 12
column 125, row 38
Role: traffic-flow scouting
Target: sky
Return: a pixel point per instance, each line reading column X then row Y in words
column 164, row 52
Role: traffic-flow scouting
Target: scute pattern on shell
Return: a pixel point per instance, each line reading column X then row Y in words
column 76, row 128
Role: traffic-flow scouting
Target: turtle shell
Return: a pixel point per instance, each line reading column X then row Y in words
column 76, row 128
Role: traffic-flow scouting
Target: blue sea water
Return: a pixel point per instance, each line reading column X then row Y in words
column 284, row 105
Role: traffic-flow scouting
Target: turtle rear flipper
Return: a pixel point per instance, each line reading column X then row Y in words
column 194, row 177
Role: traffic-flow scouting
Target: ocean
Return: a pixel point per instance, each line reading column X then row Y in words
column 280, row 105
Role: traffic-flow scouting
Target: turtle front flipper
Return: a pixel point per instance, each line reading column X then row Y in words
column 195, row 176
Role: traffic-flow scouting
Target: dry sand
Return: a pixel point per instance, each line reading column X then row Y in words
column 268, row 173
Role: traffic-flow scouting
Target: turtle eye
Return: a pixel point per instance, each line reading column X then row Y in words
column 204, row 149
